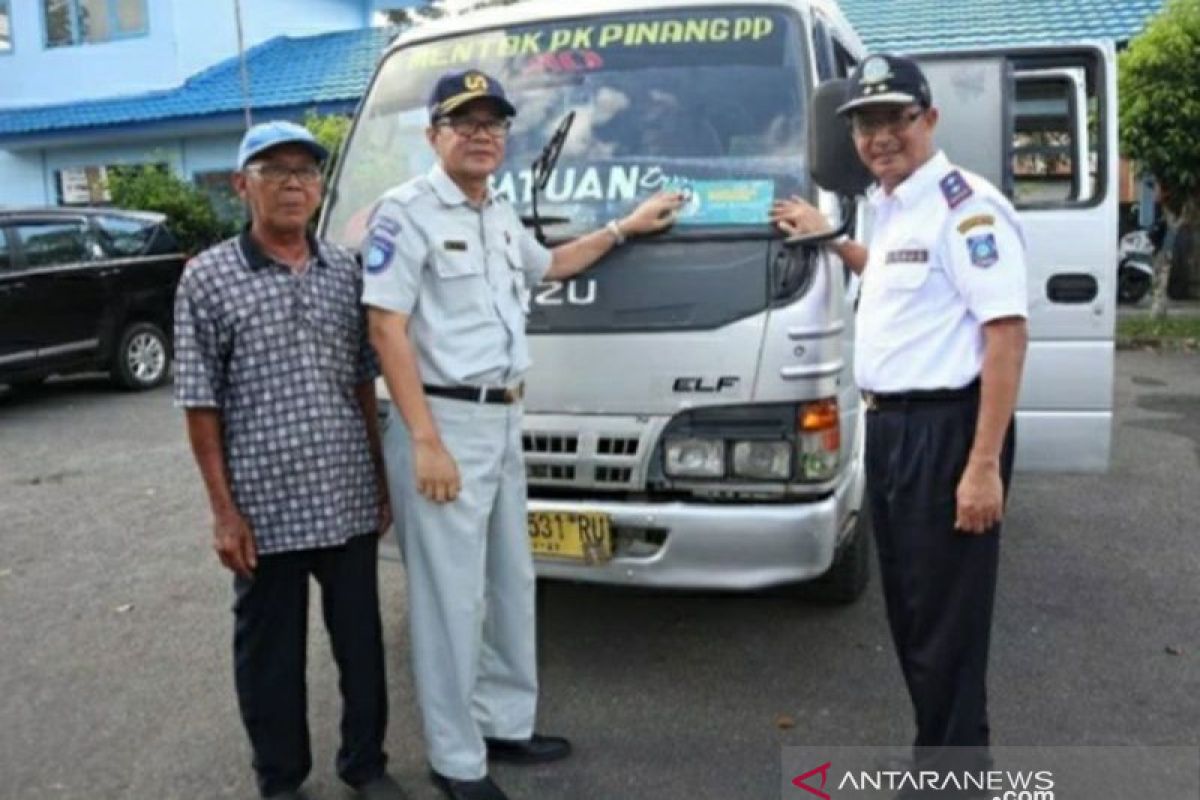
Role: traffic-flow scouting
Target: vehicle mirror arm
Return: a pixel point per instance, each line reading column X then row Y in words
column 811, row 239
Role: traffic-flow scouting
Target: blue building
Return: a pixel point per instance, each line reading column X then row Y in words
column 89, row 84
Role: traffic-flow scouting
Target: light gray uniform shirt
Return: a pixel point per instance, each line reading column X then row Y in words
column 462, row 273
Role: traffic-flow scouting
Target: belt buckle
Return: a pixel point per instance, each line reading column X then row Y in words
column 514, row 394
column 870, row 401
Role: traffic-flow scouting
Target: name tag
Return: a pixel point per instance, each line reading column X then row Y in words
column 454, row 246
column 907, row 256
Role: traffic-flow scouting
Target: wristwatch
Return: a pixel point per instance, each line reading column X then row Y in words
column 613, row 228
column 838, row 240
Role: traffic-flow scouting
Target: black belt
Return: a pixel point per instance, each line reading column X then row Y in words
column 876, row 401
column 478, row 394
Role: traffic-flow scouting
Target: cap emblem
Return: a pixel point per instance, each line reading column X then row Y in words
column 876, row 70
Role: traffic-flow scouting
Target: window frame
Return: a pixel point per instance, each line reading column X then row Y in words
column 1072, row 118
column 6, row 11
column 115, row 32
column 1094, row 76
column 8, row 254
column 17, row 243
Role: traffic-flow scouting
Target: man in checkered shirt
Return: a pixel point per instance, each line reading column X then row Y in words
column 277, row 378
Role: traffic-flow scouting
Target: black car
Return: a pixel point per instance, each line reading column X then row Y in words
column 84, row 290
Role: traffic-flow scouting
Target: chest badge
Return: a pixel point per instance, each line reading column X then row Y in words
column 916, row 256
column 454, row 246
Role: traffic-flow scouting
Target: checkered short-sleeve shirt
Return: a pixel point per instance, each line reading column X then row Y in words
column 280, row 355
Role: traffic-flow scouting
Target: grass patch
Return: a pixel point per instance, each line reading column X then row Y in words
column 1176, row 333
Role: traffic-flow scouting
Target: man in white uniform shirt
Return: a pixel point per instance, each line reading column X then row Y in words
column 939, row 349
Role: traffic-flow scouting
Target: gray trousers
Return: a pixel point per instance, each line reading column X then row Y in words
column 470, row 585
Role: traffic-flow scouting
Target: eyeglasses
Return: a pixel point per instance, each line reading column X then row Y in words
column 895, row 122
column 278, row 173
column 469, row 126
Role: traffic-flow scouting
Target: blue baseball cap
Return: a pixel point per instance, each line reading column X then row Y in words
column 265, row 135
column 456, row 89
column 887, row 80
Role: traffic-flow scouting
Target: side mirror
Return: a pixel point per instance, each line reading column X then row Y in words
column 832, row 159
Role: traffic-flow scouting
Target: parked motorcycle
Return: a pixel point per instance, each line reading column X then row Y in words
column 1135, row 266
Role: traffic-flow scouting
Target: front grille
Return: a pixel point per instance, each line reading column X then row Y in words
column 550, row 443
column 621, row 475
column 550, row 472
column 617, row 446
column 605, row 458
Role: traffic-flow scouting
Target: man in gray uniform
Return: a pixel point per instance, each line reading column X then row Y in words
column 449, row 268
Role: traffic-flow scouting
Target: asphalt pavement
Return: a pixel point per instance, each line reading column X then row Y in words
column 115, row 675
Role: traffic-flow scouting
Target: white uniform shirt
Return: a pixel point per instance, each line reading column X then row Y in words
column 946, row 256
column 463, row 275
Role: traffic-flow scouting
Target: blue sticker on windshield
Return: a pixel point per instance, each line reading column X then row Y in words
column 728, row 202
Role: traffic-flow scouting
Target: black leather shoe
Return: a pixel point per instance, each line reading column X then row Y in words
column 482, row 789
column 537, row 749
column 382, row 788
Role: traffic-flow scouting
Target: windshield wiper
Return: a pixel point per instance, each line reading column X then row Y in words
column 543, row 165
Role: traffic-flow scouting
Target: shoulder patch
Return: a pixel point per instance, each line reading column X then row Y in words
column 955, row 189
column 379, row 255
column 983, row 249
column 977, row 221
column 389, row 225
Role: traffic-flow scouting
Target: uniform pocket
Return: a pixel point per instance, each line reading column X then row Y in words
column 452, row 264
column 516, row 273
column 905, row 277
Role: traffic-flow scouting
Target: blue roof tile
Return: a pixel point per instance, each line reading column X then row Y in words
column 922, row 25
column 335, row 68
column 284, row 72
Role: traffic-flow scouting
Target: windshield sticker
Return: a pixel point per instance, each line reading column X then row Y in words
column 594, row 39
column 583, row 185
column 728, row 202
column 709, row 202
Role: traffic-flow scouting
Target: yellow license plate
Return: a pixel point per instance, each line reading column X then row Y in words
column 578, row 537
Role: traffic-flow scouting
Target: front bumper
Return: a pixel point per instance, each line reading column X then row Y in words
column 708, row 546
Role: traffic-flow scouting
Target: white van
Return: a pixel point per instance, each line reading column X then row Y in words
column 691, row 418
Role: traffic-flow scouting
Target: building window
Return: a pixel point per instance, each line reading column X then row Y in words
column 217, row 185
column 72, row 22
column 5, row 27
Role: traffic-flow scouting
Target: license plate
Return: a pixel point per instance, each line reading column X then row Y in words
column 577, row 537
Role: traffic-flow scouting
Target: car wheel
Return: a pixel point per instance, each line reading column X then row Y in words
column 142, row 357
column 1132, row 285
column 847, row 578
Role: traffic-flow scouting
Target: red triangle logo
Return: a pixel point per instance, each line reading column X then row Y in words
column 800, row 781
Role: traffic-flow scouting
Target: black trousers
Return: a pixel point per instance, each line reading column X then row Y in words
column 939, row 584
column 269, row 647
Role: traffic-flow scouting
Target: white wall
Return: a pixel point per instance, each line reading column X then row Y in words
column 21, row 181
column 28, row 177
column 183, row 38
column 33, row 74
column 210, row 153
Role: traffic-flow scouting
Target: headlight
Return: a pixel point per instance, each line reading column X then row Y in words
column 818, row 440
column 763, row 460
column 695, row 458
